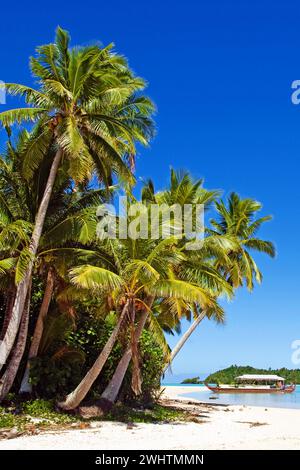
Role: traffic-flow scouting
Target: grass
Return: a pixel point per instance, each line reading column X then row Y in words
column 8, row 420
column 34, row 415
column 22, row 415
column 157, row 414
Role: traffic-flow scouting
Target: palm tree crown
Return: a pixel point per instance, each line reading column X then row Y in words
column 238, row 220
column 88, row 103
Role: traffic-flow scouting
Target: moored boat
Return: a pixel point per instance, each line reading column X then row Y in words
column 250, row 383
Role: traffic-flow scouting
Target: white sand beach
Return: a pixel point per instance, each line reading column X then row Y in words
column 218, row 427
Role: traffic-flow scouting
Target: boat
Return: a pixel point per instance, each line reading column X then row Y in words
column 251, row 383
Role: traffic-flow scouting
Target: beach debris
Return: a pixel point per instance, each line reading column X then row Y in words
column 75, row 425
column 95, row 424
column 88, row 412
column 195, row 419
column 10, row 433
column 84, row 425
column 131, row 425
column 252, row 424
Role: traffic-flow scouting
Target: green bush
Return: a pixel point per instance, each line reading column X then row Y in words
column 7, row 420
column 10, row 420
column 45, row 409
column 152, row 364
column 55, row 378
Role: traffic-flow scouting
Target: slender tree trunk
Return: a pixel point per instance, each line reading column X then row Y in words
column 26, row 387
column 75, row 398
column 184, row 338
column 7, row 343
column 9, row 376
column 8, row 311
column 112, row 390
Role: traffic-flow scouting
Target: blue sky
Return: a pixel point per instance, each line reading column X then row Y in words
column 220, row 73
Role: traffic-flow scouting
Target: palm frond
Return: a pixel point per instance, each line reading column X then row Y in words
column 12, row 116
column 95, row 278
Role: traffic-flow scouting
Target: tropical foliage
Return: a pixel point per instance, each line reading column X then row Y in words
column 84, row 316
column 192, row 380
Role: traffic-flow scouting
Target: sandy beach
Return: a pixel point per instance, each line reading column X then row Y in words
column 218, row 427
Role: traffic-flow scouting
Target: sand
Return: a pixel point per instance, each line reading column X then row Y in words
column 219, row 427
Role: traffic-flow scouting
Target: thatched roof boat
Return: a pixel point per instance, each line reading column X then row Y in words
column 255, row 383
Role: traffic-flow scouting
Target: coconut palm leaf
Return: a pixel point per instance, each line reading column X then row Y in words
column 93, row 277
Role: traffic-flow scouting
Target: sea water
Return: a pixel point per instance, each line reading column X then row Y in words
column 276, row 400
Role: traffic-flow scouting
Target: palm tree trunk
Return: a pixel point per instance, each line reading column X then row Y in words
column 184, row 338
column 7, row 343
column 9, row 376
column 112, row 390
column 75, row 398
column 8, row 311
column 26, row 387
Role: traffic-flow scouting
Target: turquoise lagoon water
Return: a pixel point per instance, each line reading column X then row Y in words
column 288, row 400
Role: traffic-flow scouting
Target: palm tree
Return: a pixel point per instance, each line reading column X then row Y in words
column 69, row 228
column 88, row 115
column 10, row 373
column 145, row 269
column 68, row 236
column 237, row 222
column 15, row 230
column 182, row 190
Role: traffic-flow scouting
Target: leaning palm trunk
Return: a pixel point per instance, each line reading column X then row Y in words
column 9, row 376
column 8, row 341
column 184, row 339
column 8, row 311
column 26, row 387
column 75, row 398
column 112, row 390
column 136, row 379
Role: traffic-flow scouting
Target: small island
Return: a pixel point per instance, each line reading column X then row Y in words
column 227, row 376
column 193, row 380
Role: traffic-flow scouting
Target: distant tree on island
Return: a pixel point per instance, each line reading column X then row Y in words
column 227, row 376
column 194, row 380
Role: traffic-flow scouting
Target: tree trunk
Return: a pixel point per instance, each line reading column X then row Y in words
column 113, row 388
column 9, row 376
column 184, row 338
column 8, row 310
column 7, row 343
column 75, row 398
column 26, row 387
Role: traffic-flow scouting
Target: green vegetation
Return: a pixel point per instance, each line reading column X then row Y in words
column 20, row 414
column 52, row 377
column 227, row 376
column 155, row 414
column 83, row 317
column 31, row 416
column 193, row 380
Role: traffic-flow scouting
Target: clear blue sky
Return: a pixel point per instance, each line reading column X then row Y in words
column 220, row 73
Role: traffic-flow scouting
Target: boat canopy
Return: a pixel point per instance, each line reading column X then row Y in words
column 259, row 377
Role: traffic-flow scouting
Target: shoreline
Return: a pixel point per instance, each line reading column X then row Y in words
column 215, row 426
column 179, row 391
